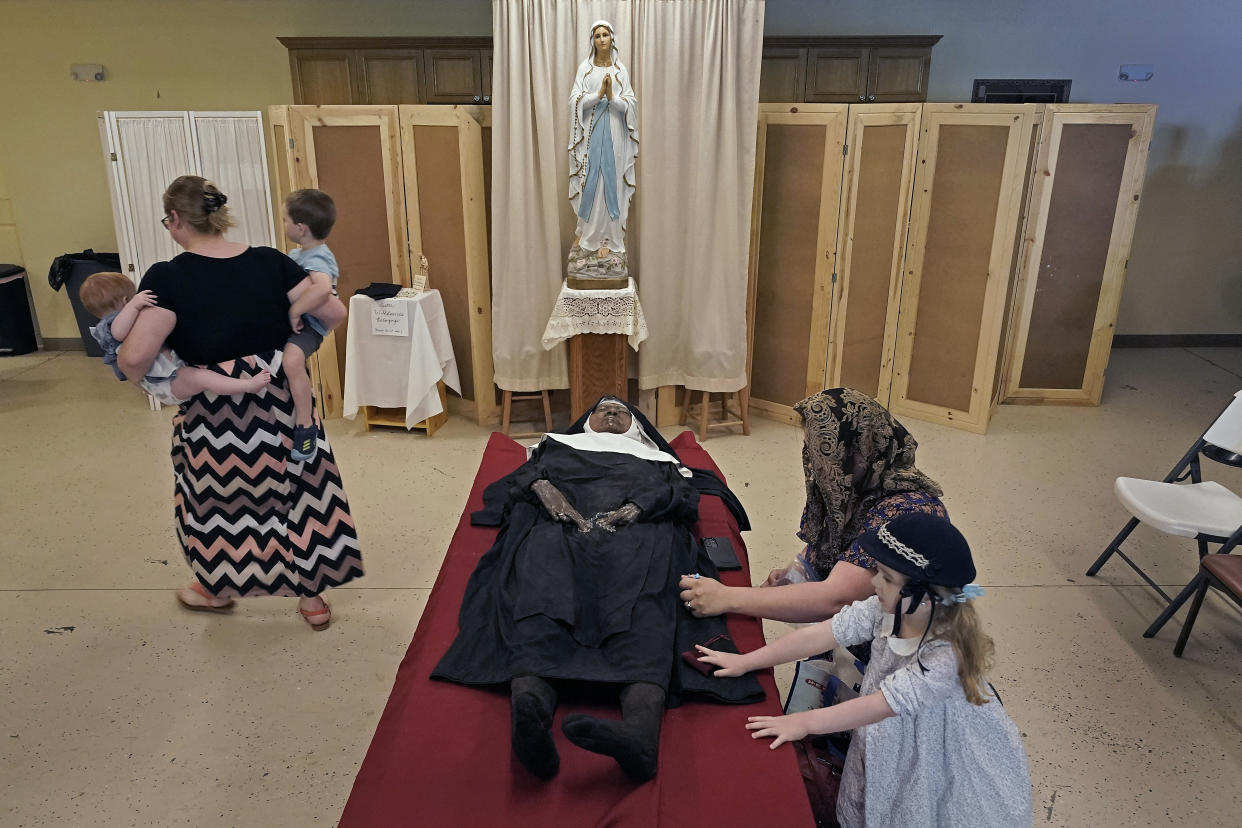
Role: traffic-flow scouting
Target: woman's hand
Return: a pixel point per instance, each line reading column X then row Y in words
column 621, row 516
column 295, row 321
column 558, row 506
column 704, row 596
column 730, row 664
column 777, row 577
column 783, row 728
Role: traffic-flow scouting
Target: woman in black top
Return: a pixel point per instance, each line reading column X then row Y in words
column 250, row 522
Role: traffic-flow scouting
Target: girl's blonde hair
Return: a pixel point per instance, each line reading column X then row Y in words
column 199, row 203
column 960, row 625
column 103, row 293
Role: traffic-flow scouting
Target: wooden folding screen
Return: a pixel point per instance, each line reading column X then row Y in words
column 406, row 180
column 793, row 251
column 326, row 383
column 1020, row 248
column 353, row 153
column 1085, row 198
column 442, row 150
column 879, row 170
column 967, row 199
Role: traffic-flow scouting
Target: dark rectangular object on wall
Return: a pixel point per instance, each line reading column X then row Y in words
column 1006, row 90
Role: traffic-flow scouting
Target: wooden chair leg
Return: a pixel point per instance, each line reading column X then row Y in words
column 685, row 406
column 704, row 407
column 743, row 401
column 547, row 410
column 507, row 405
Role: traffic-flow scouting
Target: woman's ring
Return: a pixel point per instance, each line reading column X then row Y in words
column 687, row 605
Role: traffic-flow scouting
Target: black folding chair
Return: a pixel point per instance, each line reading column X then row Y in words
column 1224, row 572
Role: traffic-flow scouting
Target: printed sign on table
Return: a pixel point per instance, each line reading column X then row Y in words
column 390, row 318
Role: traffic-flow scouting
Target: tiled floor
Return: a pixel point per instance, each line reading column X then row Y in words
column 122, row 710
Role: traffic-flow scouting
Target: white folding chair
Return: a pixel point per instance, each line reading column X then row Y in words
column 1205, row 511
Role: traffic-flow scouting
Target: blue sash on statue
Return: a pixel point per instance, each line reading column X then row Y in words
column 600, row 158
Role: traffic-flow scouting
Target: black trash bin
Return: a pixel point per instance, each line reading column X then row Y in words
column 71, row 270
column 17, row 331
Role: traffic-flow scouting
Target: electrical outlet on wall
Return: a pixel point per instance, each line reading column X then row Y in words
column 1136, row 72
column 87, row 72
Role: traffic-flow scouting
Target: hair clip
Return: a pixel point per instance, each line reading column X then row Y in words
column 968, row 592
column 214, row 201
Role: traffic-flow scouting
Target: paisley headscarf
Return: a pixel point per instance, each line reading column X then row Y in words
column 854, row 454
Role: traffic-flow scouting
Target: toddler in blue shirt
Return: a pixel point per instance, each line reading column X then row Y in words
column 308, row 219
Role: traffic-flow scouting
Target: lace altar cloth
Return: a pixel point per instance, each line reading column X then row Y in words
column 597, row 312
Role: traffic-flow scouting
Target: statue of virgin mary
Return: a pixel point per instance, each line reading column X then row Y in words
column 603, row 145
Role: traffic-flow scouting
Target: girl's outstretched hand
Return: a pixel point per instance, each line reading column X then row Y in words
column 730, row 664
column 783, row 728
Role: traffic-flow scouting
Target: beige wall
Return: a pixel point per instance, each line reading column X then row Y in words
column 159, row 54
column 195, row 54
column 10, row 247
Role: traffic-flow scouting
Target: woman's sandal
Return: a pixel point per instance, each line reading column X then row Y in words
column 197, row 589
column 318, row 619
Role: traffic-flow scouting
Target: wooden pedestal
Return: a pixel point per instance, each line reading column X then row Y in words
column 597, row 366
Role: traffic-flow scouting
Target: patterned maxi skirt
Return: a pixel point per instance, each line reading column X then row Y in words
column 250, row 520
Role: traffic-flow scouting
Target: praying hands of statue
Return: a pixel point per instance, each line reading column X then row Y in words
column 605, row 88
column 620, row 516
column 558, row 506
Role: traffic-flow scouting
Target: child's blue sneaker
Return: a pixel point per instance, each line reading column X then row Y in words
column 305, row 444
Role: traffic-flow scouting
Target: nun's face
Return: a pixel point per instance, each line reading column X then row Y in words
column 612, row 417
column 602, row 38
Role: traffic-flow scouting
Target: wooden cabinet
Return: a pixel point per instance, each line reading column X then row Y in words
column 390, row 76
column 455, row 75
column 836, row 74
column 845, row 69
column 458, row 70
column 390, row 70
column 896, row 74
column 783, row 75
column 325, row 76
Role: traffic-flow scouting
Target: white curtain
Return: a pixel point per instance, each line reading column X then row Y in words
column 695, row 68
column 152, row 150
column 698, row 74
column 230, row 153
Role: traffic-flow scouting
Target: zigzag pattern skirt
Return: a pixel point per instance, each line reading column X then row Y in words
column 250, row 520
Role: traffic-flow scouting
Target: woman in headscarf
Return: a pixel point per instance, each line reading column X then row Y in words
column 603, row 146
column 860, row 473
column 581, row 585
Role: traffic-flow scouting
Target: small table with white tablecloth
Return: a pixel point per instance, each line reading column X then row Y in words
column 398, row 355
